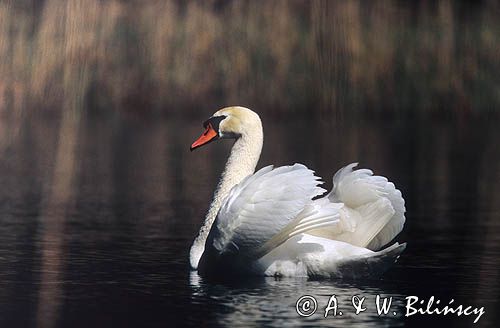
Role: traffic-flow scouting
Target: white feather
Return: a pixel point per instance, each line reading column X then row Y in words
column 311, row 256
column 374, row 208
column 261, row 206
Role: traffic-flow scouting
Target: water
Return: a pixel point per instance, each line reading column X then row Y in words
column 97, row 215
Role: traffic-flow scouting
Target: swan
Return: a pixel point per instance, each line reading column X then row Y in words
column 275, row 222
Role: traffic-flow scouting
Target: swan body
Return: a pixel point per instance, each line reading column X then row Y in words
column 273, row 222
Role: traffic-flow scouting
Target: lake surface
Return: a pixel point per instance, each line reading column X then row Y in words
column 97, row 215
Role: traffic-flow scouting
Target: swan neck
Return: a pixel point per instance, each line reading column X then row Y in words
column 241, row 163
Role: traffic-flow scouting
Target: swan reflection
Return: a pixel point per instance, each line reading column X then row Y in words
column 272, row 301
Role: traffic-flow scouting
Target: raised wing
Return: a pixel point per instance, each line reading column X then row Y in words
column 262, row 206
column 373, row 211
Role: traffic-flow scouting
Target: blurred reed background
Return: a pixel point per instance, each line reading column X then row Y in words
column 340, row 57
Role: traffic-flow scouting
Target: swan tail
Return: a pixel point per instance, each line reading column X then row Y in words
column 370, row 265
column 373, row 205
column 312, row 217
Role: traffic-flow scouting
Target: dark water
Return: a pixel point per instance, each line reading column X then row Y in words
column 97, row 216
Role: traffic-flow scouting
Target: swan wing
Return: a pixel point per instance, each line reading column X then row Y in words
column 264, row 205
column 373, row 211
column 311, row 256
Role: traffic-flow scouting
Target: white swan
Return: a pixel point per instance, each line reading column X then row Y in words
column 268, row 222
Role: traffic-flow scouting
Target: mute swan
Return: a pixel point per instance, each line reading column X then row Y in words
column 269, row 222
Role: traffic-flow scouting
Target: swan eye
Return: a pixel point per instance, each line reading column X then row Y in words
column 214, row 122
column 211, row 132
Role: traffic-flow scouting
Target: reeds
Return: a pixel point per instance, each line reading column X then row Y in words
column 320, row 56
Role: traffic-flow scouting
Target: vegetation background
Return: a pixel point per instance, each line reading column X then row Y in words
column 309, row 57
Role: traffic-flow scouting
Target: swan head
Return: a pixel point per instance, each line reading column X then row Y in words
column 229, row 123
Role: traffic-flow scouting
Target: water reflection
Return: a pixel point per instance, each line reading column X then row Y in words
column 97, row 216
column 59, row 196
column 273, row 301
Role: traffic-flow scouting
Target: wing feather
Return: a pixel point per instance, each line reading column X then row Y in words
column 374, row 209
column 261, row 206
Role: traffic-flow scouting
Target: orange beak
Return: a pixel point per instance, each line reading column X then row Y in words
column 205, row 138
